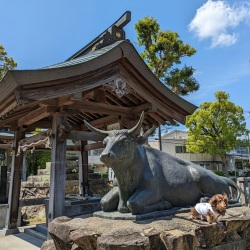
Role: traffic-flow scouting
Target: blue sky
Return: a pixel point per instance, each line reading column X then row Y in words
column 44, row 32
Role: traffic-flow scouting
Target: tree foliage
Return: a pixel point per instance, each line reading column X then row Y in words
column 6, row 63
column 215, row 127
column 163, row 51
column 36, row 159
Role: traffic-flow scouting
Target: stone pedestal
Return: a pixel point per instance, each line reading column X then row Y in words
column 3, row 214
column 170, row 232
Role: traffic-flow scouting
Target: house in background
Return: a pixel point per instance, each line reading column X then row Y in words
column 174, row 143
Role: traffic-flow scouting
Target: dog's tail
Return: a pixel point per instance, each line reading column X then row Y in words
column 232, row 184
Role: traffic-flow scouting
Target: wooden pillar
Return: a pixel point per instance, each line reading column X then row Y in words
column 24, row 174
column 80, row 168
column 159, row 139
column 57, row 170
column 15, row 186
column 3, row 184
column 83, row 168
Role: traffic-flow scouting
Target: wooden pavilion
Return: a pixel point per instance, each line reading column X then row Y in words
column 105, row 83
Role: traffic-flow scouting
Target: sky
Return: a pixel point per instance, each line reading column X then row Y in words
column 45, row 32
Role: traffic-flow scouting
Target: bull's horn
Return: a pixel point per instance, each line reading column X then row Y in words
column 96, row 130
column 149, row 132
column 137, row 127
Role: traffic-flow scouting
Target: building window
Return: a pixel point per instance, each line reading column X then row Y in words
column 180, row 149
column 97, row 152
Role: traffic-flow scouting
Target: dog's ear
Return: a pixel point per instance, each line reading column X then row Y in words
column 213, row 201
column 225, row 198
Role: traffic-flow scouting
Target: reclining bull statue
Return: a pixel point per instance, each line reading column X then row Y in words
column 148, row 179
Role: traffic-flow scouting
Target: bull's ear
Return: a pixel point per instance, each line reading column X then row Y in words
column 142, row 139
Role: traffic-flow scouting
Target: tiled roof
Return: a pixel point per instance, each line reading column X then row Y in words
column 91, row 55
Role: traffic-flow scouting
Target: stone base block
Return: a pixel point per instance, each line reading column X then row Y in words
column 6, row 231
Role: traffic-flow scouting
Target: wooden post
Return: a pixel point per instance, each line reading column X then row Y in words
column 3, row 184
column 80, row 168
column 57, row 170
column 159, row 139
column 15, row 186
column 24, row 174
column 83, row 168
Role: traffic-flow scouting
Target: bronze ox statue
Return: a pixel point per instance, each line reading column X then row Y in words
column 148, row 179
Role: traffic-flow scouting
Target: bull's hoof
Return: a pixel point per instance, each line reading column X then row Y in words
column 123, row 210
column 167, row 205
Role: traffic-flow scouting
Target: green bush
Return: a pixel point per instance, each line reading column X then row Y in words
column 232, row 173
column 36, row 160
column 218, row 172
column 105, row 175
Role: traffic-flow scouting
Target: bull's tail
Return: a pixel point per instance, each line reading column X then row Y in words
column 232, row 184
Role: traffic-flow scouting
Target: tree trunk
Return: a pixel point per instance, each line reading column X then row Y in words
column 224, row 165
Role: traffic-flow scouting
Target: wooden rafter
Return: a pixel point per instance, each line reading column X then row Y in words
column 36, row 115
column 104, row 120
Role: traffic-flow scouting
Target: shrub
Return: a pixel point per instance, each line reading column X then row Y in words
column 218, row 172
column 232, row 173
column 105, row 175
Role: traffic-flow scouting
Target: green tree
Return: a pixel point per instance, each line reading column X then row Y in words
column 215, row 128
column 36, row 159
column 6, row 63
column 163, row 51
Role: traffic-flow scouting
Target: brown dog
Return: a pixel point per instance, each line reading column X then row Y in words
column 212, row 210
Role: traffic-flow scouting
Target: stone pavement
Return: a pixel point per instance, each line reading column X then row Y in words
column 19, row 241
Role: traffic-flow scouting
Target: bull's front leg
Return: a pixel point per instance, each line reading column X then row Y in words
column 146, row 201
column 122, row 207
column 110, row 201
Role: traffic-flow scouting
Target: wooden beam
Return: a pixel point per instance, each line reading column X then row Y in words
column 157, row 118
column 39, row 124
column 103, row 121
column 6, row 146
column 65, row 100
column 113, row 99
column 107, row 109
column 84, row 136
column 35, row 138
column 93, row 146
column 13, row 119
column 50, row 102
column 99, row 108
column 36, row 115
column 100, row 95
column 143, row 107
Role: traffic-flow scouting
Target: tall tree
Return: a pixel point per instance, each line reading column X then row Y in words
column 6, row 63
column 215, row 128
column 163, row 51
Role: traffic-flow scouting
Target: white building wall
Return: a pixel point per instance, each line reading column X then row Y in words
column 178, row 138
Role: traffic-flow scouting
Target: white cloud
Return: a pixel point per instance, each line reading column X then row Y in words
column 216, row 20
